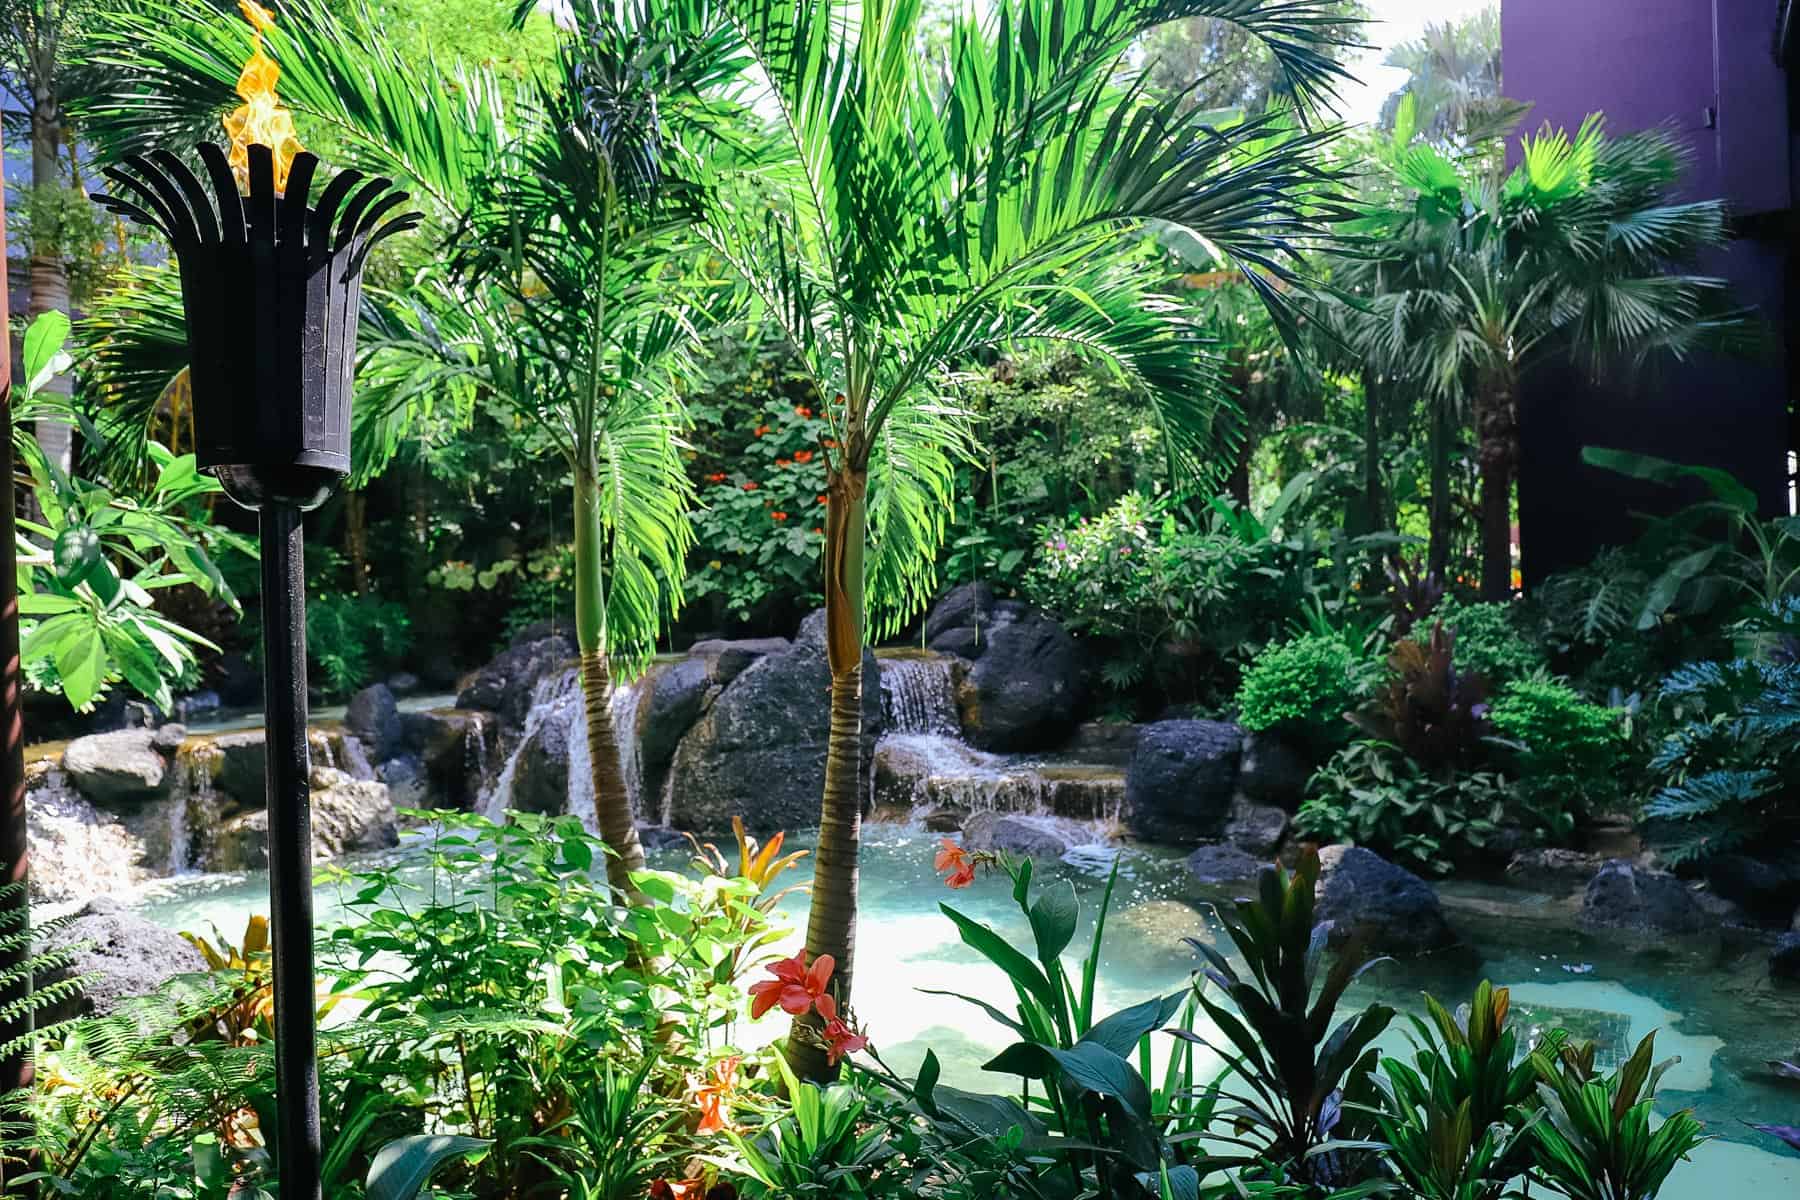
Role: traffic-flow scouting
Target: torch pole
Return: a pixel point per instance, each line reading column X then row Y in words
column 290, row 849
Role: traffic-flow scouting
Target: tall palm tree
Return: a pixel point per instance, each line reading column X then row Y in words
column 1579, row 250
column 554, row 283
column 905, row 213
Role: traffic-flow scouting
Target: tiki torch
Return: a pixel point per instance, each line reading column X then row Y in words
column 271, row 287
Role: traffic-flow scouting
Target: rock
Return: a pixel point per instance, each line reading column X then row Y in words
column 242, row 760
column 1394, row 911
column 1553, row 870
column 168, row 738
column 1273, row 771
column 1784, row 960
column 406, row 783
column 374, row 719
column 1256, row 829
column 759, row 750
column 117, row 768
column 123, row 954
column 1179, row 786
column 1766, row 890
column 453, row 747
column 1103, row 741
column 403, row 684
column 1026, row 687
column 958, row 621
column 1794, row 925
column 677, row 695
column 1640, row 900
column 1223, row 864
column 507, row 683
column 348, row 815
column 727, row 659
column 945, row 820
column 197, row 704
column 661, row 837
column 540, row 781
column 78, row 851
column 1019, row 833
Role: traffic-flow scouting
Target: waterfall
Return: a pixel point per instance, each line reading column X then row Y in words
column 627, row 699
column 191, row 810
column 555, row 699
column 918, row 694
column 923, row 772
column 557, row 703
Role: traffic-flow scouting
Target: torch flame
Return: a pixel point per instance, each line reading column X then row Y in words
column 260, row 119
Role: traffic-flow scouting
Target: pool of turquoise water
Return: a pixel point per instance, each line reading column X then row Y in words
column 1709, row 1004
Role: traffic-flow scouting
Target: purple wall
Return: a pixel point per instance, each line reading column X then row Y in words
column 1708, row 70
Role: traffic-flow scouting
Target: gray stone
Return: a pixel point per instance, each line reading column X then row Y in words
column 1767, row 890
column 1026, row 686
column 406, row 783
column 78, row 851
column 677, row 695
column 1223, row 864
column 1639, row 900
column 453, row 747
column 122, row 954
column 403, row 683
column 1256, row 829
column 374, row 719
column 1023, row 834
column 506, row 684
column 348, row 815
column 1389, row 908
column 759, row 750
column 540, row 781
column 1273, row 771
column 945, row 820
column 241, row 764
column 729, row 658
column 1553, row 870
column 117, row 768
column 1784, row 960
column 1182, row 777
column 168, row 738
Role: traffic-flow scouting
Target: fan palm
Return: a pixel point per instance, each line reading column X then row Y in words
column 1579, row 250
column 565, row 299
column 905, row 215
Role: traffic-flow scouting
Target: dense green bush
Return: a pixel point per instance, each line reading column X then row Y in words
column 355, row 640
column 1570, row 752
column 1303, row 688
column 1371, row 794
column 1488, row 640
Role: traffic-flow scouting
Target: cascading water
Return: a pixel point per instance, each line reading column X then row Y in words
column 558, row 716
column 918, row 694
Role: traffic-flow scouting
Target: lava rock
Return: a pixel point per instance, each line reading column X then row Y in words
column 1634, row 898
column 242, row 761
column 1553, row 870
column 759, row 750
column 540, row 781
column 348, row 815
column 1784, row 960
column 374, row 719
column 117, row 768
column 1026, row 686
column 452, row 747
column 1256, row 829
column 507, row 683
column 197, row 704
column 1182, row 777
column 405, row 779
column 946, row 820
column 168, row 738
column 1766, row 890
column 1221, row 863
column 121, row 954
column 728, row 658
column 661, row 837
column 1020, row 833
column 1391, row 909
column 677, row 695
column 404, row 683
column 1274, row 771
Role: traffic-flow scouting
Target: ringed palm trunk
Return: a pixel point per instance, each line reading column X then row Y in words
column 831, row 922
column 1496, row 431
column 612, row 803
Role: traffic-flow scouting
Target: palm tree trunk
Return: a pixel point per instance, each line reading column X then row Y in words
column 1437, row 555
column 612, row 803
column 831, row 923
column 49, row 280
column 1495, row 429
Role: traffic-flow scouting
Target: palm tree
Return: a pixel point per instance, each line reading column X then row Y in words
column 564, row 299
column 905, row 214
column 1579, row 250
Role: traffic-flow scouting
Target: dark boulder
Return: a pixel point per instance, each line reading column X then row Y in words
column 1256, row 829
column 1784, row 960
column 1182, row 777
column 453, row 748
column 1274, row 771
column 759, row 750
column 727, row 659
column 122, row 954
column 540, row 782
column 1026, row 686
column 1223, row 864
column 1389, row 908
column 676, row 696
column 373, row 718
column 1767, row 890
column 1636, row 899
column 348, row 815
column 121, row 768
column 1024, row 834
column 1553, row 870
column 506, row 685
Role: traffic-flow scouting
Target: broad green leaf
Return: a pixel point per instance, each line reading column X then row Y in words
column 1000, row 952
column 44, row 358
column 403, row 1167
column 1053, row 919
column 76, row 553
column 1122, row 1031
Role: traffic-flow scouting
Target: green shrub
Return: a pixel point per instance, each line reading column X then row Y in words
column 1303, row 688
column 1488, row 640
column 1372, row 794
column 1569, row 753
column 354, row 639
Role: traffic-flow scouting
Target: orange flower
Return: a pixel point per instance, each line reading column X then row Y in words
column 750, row 485
column 716, row 477
column 818, row 529
column 761, row 429
column 802, row 411
column 796, row 987
column 778, row 516
column 829, row 444
column 784, row 462
column 824, row 499
column 686, row 1189
column 803, row 456
column 954, row 859
column 715, row 1115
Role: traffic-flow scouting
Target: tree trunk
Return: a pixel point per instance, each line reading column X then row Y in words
column 1372, row 515
column 1437, row 556
column 831, row 923
column 49, row 278
column 1496, row 431
column 356, row 539
column 612, row 803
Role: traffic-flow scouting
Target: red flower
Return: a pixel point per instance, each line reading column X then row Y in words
column 761, row 429
column 803, row 411
column 750, row 485
column 803, row 456
column 954, row 859
column 716, row 477
column 841, row 1040
column 779, row 516
column 824, row 499
column 714, row 1115
column 784, row 462
column 818, row 529
column 797, row 988
column 829, row 444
